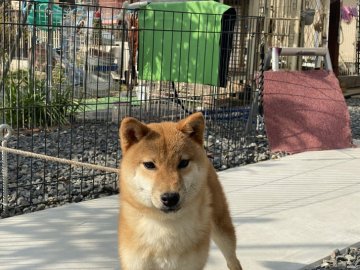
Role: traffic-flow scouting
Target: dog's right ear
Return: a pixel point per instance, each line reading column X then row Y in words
column 131, row 132
column 193, row 126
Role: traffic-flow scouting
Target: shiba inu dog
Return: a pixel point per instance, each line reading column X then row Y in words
column 171, row 201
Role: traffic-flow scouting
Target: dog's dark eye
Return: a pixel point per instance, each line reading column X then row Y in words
column 149, row 165
column 183, row 163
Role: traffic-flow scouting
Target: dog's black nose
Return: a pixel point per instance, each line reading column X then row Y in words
column 170, row 199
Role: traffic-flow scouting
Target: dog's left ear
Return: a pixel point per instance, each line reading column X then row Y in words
column 131, row 132
column 194, row 126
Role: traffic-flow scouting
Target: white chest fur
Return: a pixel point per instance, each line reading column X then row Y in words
column 172, row 243
column 173, row 234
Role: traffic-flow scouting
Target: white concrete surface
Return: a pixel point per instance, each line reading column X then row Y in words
column 288, row 213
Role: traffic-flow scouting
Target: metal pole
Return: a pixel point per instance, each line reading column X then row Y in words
column 49, row 50
column 275, row 58
column 5, row 133
column 299, row 33
column 6, row 66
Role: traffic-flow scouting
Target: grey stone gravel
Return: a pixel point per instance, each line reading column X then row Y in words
column 349, row 258
column 354, row 110
column 36, row 184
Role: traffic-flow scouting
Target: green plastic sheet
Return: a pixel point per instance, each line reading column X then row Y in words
column 181, row 41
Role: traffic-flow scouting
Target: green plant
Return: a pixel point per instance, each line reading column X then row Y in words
column 63, row 106
column 28, row 102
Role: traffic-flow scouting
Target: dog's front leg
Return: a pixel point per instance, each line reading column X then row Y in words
column 223, row 232
column 226, row 241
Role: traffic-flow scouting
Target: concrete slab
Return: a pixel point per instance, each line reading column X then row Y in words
column 75, row 236
column 295, row 210
column 288, row 213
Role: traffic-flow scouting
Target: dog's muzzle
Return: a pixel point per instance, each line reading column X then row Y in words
column 170, row 202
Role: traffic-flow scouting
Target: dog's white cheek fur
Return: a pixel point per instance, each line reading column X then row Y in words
column 193, row 180
column 143, row 187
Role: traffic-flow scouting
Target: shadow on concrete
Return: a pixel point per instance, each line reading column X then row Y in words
column 82, row 236
column 279, row 265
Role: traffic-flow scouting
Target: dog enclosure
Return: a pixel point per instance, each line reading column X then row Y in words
column 71, row 72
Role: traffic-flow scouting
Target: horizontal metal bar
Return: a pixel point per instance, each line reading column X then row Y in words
column 303, row 51
column 276, row 52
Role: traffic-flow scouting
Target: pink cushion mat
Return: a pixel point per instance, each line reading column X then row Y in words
column 304, row 111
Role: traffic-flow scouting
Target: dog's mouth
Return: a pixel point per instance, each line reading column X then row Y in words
column 167, row 210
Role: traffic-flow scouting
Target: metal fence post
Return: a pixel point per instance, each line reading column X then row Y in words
column 5, row 133
column 275, row 58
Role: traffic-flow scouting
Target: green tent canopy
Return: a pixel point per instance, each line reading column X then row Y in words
column 38, row 15
column 185, row 41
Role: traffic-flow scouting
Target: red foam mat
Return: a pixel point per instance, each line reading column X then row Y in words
column 305, row 111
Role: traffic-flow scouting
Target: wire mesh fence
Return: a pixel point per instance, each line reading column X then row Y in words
column 296, row 24
column 305, row 24
column 71, row 73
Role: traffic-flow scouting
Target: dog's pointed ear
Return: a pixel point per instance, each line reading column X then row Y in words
column 194, row 126
column 131, row 132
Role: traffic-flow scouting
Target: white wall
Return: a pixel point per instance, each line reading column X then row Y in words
column 347, row 38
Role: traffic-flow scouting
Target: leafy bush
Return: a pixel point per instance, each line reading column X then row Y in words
column 29, row 103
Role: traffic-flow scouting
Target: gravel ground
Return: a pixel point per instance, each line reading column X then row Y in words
column 35, row 185
column 349, row 258
column 354, row 109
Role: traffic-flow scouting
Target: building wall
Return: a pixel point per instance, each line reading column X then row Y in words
column 347, row 40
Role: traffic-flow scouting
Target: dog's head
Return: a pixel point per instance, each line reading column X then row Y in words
column 164, row 165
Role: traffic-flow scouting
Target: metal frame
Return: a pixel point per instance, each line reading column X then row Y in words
column 274, row 53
